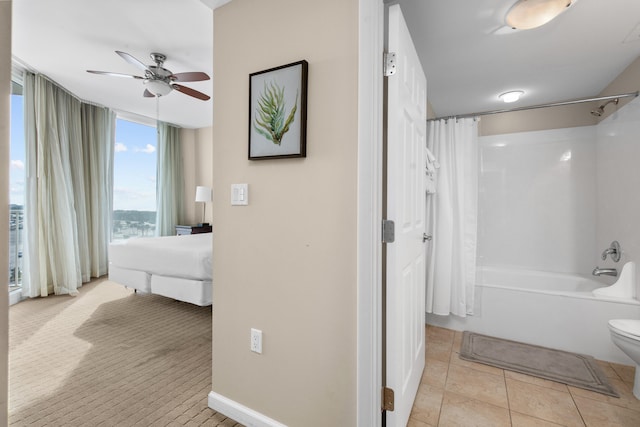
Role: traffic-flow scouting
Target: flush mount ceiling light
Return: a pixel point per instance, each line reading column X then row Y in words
column 528, row 14
column 511, row 96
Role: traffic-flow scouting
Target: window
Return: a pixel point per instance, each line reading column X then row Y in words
column 16, row 187
column 134, row 180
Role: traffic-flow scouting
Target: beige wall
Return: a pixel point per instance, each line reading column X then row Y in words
column 5, row 91
column 627, row 81
column 197, row 149
column 531, row 120
column 430, row 113
column 286, row 264
column 565, row 116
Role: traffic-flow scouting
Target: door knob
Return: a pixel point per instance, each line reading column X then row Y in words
column 426, row 237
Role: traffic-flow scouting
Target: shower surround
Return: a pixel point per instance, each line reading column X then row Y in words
column 549, row 203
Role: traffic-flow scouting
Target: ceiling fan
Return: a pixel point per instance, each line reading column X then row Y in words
column 158, row 80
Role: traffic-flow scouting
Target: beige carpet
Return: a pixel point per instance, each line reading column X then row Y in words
column 109, row 357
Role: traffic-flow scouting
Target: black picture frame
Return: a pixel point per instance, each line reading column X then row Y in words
column 278, row 112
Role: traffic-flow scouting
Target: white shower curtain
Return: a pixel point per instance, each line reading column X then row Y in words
column 452, row 213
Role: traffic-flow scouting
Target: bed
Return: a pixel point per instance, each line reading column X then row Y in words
column 178, row 267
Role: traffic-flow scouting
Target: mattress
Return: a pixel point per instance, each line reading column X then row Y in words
column 186, row 256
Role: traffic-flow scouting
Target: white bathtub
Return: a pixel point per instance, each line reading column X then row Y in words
column 549, row 309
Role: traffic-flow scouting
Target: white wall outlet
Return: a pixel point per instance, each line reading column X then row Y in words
column 256, row 341
column 239, row 194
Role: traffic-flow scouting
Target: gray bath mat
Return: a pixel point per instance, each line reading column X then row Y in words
column 556, row 365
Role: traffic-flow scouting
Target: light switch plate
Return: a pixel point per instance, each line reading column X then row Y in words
column 239, row 194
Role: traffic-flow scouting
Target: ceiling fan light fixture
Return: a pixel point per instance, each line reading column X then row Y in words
column 158, row 80
column 528, row 14
column 158, row 87
column 511, row 96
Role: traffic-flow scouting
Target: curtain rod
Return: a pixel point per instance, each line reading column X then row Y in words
column 533, row 107
column 126, row 115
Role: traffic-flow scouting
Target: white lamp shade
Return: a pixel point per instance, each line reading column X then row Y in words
column 203, row 194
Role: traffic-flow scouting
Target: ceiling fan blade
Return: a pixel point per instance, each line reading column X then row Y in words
column 190, row 92
column 133, row 61
column 148, row 94
column 195, row 76
column 109, row 73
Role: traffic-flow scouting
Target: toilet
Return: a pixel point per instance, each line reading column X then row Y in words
column 625, row 333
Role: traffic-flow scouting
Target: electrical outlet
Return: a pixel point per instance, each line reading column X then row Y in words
column 256, row 341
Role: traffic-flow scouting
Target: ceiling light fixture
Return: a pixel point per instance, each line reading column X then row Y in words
column 511, row 96
column 528, row 14
column 157, row 87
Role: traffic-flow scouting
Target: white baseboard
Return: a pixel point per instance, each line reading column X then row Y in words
column 15, row 296
column 240, row 413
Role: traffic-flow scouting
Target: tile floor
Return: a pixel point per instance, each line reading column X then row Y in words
column 454, row 392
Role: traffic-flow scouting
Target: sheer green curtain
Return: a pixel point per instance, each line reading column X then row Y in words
column 98, row 138
column 68, row 194
column 169, row 180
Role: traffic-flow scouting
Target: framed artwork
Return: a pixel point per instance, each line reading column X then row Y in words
column 278, row 112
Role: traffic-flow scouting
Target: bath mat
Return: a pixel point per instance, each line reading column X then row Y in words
column 564, row 367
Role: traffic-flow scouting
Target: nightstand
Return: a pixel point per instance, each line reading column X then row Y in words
column 181, row 230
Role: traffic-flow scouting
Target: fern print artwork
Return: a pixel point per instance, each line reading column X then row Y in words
column 270, row 119
column 278, row 112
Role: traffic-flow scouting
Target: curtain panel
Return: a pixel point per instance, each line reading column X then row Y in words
column 452, row 215
column 169, row 180
column 68, row 194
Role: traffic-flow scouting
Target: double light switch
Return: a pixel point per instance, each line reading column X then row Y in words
column 239, row 194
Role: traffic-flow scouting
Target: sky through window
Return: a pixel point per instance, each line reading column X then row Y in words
column 134, row 174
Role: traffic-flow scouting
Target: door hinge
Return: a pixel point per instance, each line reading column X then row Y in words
column 388, row 231
column 389, row 64
column 387, row 399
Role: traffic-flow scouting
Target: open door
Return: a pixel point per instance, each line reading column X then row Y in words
column 405, row 260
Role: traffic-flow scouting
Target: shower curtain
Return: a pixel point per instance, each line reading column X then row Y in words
column 452, row 213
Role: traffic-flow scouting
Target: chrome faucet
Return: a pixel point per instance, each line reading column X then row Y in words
column 613, row 250
column 606, row 271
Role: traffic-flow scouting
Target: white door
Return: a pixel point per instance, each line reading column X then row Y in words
column 405, row 288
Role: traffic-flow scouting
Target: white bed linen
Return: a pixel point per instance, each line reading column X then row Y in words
column 196, row 292
column 187, row 256
column 135, row 279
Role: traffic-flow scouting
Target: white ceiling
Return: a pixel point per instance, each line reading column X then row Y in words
column 63, row 38
column 467, row 53
column 469, row 57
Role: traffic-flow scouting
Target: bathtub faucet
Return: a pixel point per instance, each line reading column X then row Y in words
column 606, row 271
column 613, row 250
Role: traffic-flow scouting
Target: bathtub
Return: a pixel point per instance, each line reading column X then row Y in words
column 554, row 310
